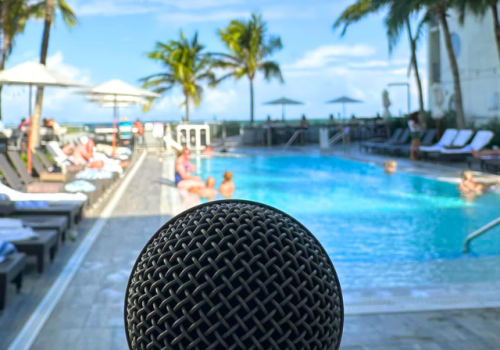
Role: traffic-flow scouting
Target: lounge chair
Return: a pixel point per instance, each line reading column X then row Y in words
column 481, row 140
column 43, row 247
column 29, row 204
column 30, row 184
column 427, row 139
column 394, row 137
column 11, row 271
column 492, row 165
column 43, row 222
column 445, row 141
column 402, row 140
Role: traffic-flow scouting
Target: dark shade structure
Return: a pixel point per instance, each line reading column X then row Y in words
column 344, row 100
column 233, row 275
column 283, row 102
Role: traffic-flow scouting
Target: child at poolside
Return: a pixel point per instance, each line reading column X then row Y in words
column 226, row 188
column 390, row 166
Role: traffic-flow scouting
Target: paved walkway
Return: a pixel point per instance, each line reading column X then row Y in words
column 90, row 313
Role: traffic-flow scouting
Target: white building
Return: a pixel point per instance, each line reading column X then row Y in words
column 478, row 62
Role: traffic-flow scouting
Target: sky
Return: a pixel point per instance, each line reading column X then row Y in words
column 318, row 65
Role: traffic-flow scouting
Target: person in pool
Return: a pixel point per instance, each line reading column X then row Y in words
column 209, row 192
column 390, row 166
column 183, row 179
column 469, row 186
column 226, row 189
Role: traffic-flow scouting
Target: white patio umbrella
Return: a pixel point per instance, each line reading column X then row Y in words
column 34, row 74
column 116, row 92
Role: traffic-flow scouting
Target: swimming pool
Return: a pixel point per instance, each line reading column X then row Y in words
column 379, row 230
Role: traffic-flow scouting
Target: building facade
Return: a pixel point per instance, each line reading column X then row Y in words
column 478, row 62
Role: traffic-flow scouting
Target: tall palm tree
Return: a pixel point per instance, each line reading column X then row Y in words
column 439, row 10
column 186, row 66
column 47, row 10
column 13, row 17
column 480, row 8
column 396, row 20
column 249, row 45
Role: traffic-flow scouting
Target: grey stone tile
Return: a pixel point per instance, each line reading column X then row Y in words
column 57, row 339
column 103, row 315
column 67, row 316
column 80, row 294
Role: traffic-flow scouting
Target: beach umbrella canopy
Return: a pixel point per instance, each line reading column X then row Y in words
column 118, row 88
column 34, row 74
column 117, row 92
column 121, row 101
column 344, row 100
column 283, row 102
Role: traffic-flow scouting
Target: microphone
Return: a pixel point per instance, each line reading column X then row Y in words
column 233, row 274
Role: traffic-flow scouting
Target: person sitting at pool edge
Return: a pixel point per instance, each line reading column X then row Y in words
column 209, row 192
column 227, row 187
column 390, row 166
column 183, row 179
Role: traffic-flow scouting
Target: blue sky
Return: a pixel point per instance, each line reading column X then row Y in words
column 318, row 65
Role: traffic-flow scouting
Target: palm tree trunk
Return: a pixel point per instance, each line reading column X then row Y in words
column 454, row 70
column 35, row 125
column 251, row 101
column 5, row 44
column 187, row 108
column 414, row 63
column 496, row 25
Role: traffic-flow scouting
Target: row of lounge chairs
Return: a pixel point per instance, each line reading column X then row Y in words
column 37, row 217
column 453, row 145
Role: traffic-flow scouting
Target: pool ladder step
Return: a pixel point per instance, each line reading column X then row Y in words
column 477, row 233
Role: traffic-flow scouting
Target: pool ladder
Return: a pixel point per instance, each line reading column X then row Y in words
column 477, row 233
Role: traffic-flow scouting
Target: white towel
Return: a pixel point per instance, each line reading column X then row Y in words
column 19, row 234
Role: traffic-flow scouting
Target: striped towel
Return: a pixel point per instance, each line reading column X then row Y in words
column 6, row 249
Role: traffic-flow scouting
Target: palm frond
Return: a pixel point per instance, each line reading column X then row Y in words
column 271, row 70
column 355, row 13
column 67, row 13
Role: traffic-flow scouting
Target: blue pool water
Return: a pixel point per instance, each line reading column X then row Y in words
column 379, row 230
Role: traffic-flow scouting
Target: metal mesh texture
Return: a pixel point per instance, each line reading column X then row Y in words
column 233, row 275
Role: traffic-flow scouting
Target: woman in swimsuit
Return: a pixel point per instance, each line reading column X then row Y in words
column 183, row 179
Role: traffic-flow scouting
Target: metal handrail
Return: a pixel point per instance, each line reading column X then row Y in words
column 477, row 233
column 294, row 136
column 337, row 137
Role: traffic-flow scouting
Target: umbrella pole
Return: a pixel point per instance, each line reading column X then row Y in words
column 114, row 127
column 29, row 131
column 343, row 108
column 282, row 112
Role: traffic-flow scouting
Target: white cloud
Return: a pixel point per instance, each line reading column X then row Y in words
column 218, row 101
column 132, row 7
column 326, row 55
column 190, row 17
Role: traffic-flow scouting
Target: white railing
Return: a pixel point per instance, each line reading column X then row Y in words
column 477, row 233
column 294, row 136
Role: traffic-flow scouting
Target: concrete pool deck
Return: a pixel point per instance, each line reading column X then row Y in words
column 89, row 311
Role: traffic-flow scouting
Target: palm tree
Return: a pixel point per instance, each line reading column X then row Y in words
column 480, row 8
column 439, row 9
column 396, row 20
column 186, row 66
column 47, row 9
column 248, row 45
column 13, row 17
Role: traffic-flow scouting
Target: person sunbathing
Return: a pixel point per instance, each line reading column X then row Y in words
column 209, row 192
column 226, row 188
column 486, row 152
